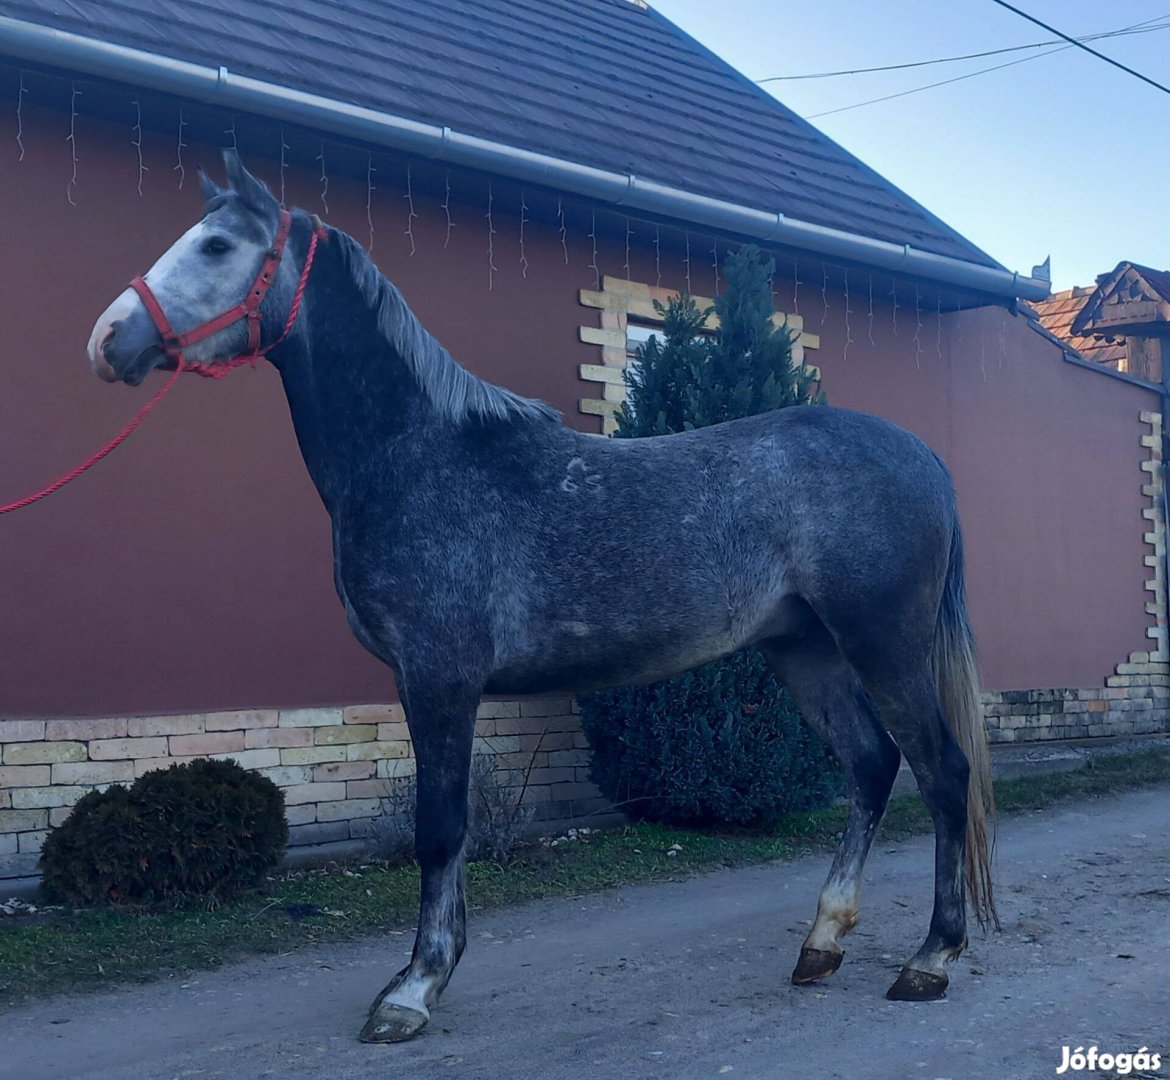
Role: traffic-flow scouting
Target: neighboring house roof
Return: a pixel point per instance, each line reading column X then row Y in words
column 605, row 83
column 1093, row 320
column 1132, row 298
column 1056, row 315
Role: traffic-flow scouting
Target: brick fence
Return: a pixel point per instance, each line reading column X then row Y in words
column 335, row 765
column 1112, row 711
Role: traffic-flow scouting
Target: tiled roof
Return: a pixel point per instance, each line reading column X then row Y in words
column 1056, row 315
column 1158, row 280
column 606, row 83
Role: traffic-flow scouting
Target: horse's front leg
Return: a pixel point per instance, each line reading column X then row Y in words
column 441, row 716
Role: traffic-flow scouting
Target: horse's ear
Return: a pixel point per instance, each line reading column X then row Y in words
column 254, row 194
column 208, row 188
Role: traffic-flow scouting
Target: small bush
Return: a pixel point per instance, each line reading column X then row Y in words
column 721, row 745
column 495, row 826
column 205, row 828
column 498, row 820
column 391, row 835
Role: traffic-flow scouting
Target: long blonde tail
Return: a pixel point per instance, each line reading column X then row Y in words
column 958, row 690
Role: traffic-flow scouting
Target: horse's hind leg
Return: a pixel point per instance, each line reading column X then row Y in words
column 911, row 710
column 832, row 701
column 441, row 717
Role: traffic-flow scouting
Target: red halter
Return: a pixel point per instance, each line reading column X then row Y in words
column 248, row 308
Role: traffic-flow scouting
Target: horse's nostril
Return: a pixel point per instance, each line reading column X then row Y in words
column 109, row 337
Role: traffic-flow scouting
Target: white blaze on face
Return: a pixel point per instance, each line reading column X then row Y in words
column 104, row 327
column 192, row 287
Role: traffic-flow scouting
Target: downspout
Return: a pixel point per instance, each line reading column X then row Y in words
column 220, row 87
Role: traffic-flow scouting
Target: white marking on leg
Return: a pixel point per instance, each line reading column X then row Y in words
column 837, row 914
column 420, row 988
column 412, row 993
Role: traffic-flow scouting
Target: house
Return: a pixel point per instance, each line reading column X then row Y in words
column 1122, row 322
column 532, row 174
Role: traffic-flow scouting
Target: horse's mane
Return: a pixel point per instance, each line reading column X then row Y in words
column 454, row 391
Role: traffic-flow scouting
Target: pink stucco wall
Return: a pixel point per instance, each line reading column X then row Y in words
column 192, row 571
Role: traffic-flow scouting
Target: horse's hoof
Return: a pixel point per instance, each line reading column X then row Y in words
column 392, row 1023
column 912, row 985
column 815, row 964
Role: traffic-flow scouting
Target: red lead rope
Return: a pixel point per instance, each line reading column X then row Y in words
column 173, row 345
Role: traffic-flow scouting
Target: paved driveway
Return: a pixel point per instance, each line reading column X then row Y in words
column 689, row 980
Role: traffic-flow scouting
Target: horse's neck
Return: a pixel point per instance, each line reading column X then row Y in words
column 349, row 393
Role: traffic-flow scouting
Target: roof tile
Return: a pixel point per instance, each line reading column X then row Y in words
column 602, row 82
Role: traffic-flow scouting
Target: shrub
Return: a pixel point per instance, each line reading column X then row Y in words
column 391, row 835
column 721, row 745
column 496, row 820
column 205, row 828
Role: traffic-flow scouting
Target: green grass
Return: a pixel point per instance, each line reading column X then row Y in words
column 68, row 951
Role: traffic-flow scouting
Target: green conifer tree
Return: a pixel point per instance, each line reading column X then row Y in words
column 691, row 379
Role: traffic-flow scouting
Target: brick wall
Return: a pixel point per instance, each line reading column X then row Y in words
column 334, row 765
column 1111, row 711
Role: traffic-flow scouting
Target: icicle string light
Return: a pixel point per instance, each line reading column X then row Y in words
column 71, row 187
column 447, row 208
column 20, row 117
column 137, row 143
column 824, row 293
column 410, row 214
column 796, row 283
column 491, row 248
column 938, row 330
column 869, row 324
column 848, row 327
column 626, row 265
column 283, row 147
column 687, row 261
column 593, row 240
column 657, row 256
column 523, row 222
column 179, row 167
column 715, row 263
column 917, row 326
column 563, row 230
column 232, row 132
column 324, row 180
column 894, row 312
column 370, row 201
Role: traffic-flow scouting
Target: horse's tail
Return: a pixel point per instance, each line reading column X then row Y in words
column 953, row 660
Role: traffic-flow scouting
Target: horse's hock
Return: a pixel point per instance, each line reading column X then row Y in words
column 334, row 765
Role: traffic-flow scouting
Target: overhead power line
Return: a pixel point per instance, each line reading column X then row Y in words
column 1082, row 45
column 957, row 78
column 1140, row 28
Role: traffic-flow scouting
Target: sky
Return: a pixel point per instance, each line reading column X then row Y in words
column 1063, row 155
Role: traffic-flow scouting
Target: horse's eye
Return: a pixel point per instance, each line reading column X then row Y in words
column 216, row 245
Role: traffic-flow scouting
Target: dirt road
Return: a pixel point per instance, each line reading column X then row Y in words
column 690, row 980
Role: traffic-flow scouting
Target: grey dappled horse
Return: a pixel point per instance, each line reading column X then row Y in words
column 481, row 546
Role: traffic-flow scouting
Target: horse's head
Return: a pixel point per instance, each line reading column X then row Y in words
column 206, row 272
